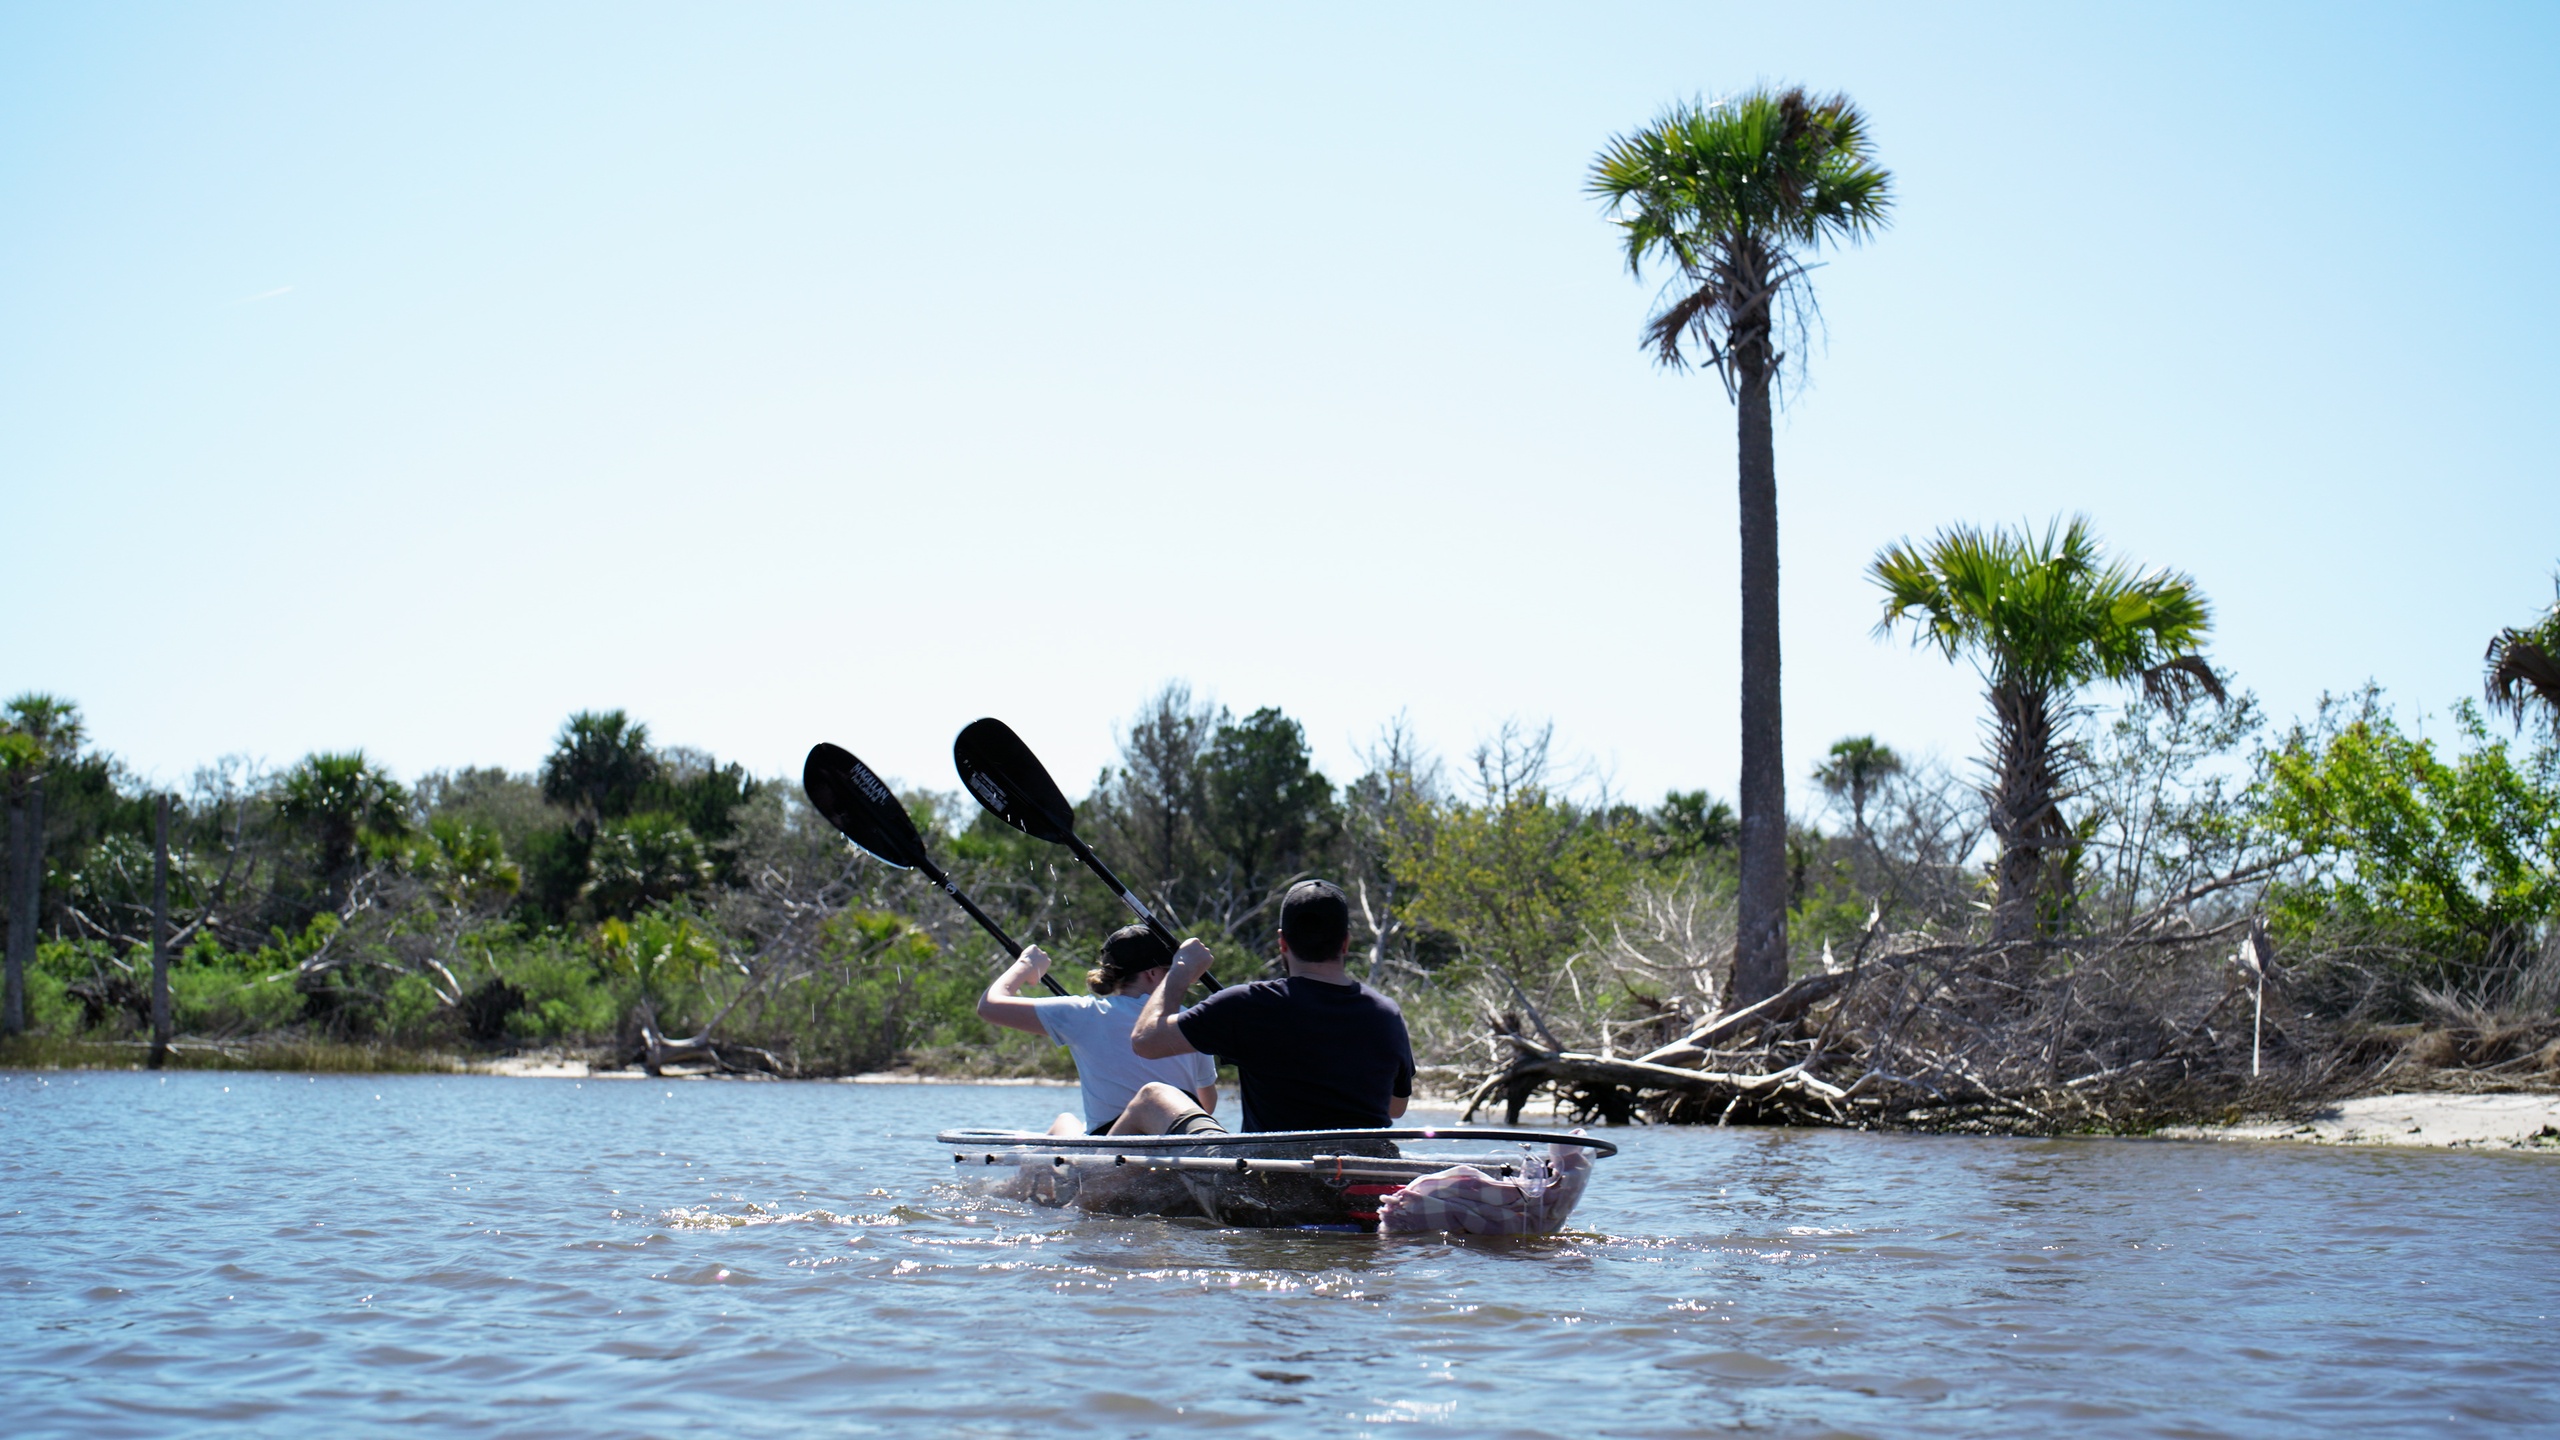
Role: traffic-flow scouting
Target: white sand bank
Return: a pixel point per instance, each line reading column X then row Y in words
column 1426, row 1109
column 549, row 1067
column 2434, row 1121
column 555, row 1067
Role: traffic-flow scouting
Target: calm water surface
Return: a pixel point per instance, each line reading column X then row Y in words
column 296, row 1255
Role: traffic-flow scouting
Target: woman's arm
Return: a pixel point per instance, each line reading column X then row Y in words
column 1003, row 1003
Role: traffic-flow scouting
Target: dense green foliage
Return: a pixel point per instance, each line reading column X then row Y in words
column 2423, row 869
column 329, row 905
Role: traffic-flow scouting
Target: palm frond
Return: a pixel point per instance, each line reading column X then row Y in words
column 1725, row 194
column 2049, row 612
column 2522, row 670
column 2173, row 684
column 2523, row 665
column 1689, row 313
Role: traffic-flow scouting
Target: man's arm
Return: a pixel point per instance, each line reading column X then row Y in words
column 1155, row 1036
column 1208, row 1095
column 1402, row 1095
column 1003, row 1003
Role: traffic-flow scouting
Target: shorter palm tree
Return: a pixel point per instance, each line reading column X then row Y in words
column 50, row 722
column 2524, row 666
column 1858, row 765
column 598, row 766
column 2043, row 617
column 345, row 806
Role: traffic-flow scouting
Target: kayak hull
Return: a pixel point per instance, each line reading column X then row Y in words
column 1326, row 1179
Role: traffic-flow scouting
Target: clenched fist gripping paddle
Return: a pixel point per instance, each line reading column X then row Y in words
column 1011, row 782
column 855, row 801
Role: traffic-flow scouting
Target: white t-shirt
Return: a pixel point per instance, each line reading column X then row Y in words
column 1095, row 1029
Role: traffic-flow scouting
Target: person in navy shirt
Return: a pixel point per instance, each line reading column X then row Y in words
column 1316, row 1050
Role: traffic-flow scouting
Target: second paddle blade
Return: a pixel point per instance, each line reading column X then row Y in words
column 860, row 805
column 1010, row 781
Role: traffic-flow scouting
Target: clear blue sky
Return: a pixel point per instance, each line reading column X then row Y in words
column 407, row 377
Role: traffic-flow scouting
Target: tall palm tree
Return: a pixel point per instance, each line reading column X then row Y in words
column 1855, row 768
column 1732, row 197
column 2524, row 666
column 2042, row 618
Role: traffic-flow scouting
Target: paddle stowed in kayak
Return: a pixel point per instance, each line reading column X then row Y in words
column 1460, row 1180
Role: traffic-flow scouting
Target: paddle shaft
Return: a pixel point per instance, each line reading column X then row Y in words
column 932, row 872
column 1094, row 863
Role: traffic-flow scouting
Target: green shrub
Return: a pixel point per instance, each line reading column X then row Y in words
column 413, row 1011
column 1516, row 881
column 565, row 996
column 880, row 992
column 226, row 999
column 2427, row 869
column 50, row 1008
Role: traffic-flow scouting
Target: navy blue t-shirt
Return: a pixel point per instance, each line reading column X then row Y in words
column 1309, row 1055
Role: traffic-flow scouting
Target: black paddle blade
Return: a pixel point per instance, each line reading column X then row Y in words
column 855, row 801
column 1009, row 780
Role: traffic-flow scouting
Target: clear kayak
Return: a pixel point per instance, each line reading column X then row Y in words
column 1424, row 1180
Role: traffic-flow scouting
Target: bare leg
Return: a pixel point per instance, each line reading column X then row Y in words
column 1066, row 1124
column 1155, row 1110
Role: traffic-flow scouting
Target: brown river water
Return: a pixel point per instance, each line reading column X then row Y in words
column 298, row 1255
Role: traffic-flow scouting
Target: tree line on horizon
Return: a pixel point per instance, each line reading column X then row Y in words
column 482, row 907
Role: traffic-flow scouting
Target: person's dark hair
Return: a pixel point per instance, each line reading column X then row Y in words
column 1316, row 921
column 1131, row 951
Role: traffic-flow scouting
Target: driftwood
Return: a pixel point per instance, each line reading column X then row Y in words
column 2016, row 1036
column 1778, row 1009
column 1570, row 1068
column 658, row 1050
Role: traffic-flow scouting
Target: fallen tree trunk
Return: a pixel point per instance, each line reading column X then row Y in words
column 1778, row 1009
column 1595, row 1071
column 658, row 1050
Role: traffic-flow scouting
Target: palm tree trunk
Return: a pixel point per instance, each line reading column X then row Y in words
column 26, row 900
column 160, row 936
column 2025, row 805
column 1760, row 939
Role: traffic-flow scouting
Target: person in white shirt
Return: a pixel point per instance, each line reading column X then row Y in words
column 1095, row 1029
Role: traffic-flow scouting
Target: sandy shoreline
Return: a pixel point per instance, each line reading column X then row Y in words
column 2421, row 1121
column 552, row 1067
